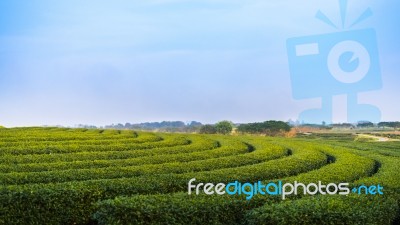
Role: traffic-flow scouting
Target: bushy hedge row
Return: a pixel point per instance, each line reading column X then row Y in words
column 320, row 210
column 122, row 170
column 16, row 135
column 133, row 138
column 191, row 145
column 267, row 153
column 183, row 209
column 386, row 167
column 347, row 167
column 388, row 174
column 352, row 209
column 389, row 148
column 299, row 162
column 73, row 201
column 199, row 148
column 173, row 141
column 178, row 208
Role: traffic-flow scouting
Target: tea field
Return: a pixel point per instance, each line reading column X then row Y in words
column 92, row 176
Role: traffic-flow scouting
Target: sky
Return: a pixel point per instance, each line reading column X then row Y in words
column 101, row 62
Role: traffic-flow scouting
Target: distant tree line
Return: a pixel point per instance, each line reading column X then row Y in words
column 271, row 127
column 222, row 127
column 394, row 125
column 364, row 124
column 168, row 126
column 343, row 125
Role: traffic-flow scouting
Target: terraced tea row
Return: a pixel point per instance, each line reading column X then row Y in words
column 346, row 166
column 174, row 141
column 352, row 209
column 132, row 138
column 39, row 134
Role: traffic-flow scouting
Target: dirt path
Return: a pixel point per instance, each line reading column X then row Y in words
column 376, row 138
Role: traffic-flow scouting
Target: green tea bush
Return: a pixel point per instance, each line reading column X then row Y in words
column 350, row 209
column 88, row 176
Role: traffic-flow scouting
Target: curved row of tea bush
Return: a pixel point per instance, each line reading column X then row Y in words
column 134, row 137
column 122, row 170
column 180, row 208
column 35, row 163
column 206, row 158
column 352, row 209
column 197, row 144
column 60, row 134
column 173, row 141
column 74, row 201
column 347, row 167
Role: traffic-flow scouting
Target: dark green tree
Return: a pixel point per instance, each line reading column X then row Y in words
column 224, row 127
column 208, row 129
column 271, row 127
column 393, row 125
column 364, row 124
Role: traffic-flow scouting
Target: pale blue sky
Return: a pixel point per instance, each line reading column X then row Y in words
column 101, row 62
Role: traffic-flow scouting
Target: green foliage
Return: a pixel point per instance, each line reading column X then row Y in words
column 328, row 210
column 364, row 124
column 268, row 127
column 224, row 127
column 171, row 209
column 84, row 176
column 208, row 129
column 389, row 124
